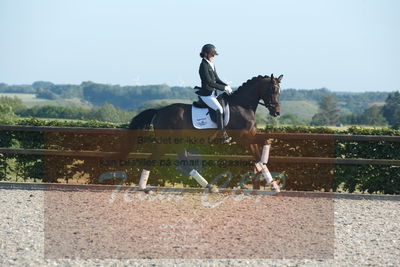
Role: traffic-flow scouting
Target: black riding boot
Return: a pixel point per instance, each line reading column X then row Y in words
column 220, row 125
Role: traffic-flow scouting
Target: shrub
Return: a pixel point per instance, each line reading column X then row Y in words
column 365, row 178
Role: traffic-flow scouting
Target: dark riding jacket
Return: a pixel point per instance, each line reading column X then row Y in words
column 209, row 79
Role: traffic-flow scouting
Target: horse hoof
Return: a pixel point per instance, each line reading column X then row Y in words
column 275, row 187
column 147, row 191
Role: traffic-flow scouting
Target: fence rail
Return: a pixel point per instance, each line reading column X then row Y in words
column 260, row 138
column 110, row 155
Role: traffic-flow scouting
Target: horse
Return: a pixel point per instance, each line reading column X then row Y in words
column 243, row 104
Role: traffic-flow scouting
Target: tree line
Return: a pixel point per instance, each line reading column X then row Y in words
column 132, row 97
column 115, row 103
column 388, row 114
column 12, row 107
column 122, row 97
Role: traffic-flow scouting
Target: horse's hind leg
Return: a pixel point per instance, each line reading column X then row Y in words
column 255, row 151
column 128, row 142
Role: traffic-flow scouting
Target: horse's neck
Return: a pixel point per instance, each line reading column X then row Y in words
column 247, row 98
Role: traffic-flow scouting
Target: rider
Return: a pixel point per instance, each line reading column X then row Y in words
column 209, row 82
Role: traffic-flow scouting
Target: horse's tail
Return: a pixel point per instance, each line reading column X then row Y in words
column 143, row 119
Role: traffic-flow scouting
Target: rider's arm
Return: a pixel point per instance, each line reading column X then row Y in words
column 217, row 79
column 205, row 77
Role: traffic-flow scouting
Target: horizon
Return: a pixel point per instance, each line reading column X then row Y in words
column 313, row 44
column 234, row 88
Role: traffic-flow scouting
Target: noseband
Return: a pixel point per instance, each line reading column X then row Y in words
column 269, row 105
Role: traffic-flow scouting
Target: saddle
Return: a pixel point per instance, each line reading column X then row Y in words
column 213, row 114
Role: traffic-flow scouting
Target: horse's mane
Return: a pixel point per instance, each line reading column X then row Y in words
column 251, row 81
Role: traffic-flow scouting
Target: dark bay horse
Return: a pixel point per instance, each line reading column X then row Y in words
column 243, row 104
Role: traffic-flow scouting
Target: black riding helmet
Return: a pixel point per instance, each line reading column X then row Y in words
column 208, row 49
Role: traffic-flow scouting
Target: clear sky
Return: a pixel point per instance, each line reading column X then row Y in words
column 342, row 45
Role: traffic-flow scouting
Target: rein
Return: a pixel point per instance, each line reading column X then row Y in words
column 267, row 105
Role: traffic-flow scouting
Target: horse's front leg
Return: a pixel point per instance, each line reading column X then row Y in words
column 255, row 152
column 260, row 169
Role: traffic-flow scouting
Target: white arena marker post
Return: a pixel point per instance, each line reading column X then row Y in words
column 266, row 174
column 259, row 166
column 200, row 179
column 265, row 154
column 143, row 179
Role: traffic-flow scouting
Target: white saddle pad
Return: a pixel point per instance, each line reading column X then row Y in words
column 202, row 120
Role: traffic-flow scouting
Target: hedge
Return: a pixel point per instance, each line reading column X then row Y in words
column 366, row 178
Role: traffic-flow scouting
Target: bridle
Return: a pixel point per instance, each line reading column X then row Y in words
column 270, row 104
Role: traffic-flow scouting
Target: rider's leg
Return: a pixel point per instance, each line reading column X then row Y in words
column 213, row 103
column 221, row 126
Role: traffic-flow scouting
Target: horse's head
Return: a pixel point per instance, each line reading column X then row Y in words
column 270, row 95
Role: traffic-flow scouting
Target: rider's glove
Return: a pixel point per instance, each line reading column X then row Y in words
column 228, row 89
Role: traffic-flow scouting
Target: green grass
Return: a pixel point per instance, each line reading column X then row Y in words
column 305, row 110
column 56, row 119
column 31, row 100
column 156, row 103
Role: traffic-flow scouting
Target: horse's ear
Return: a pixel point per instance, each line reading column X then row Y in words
column 280, row 78
column 272, row 76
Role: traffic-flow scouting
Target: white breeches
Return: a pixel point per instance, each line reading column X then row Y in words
column 212, row 102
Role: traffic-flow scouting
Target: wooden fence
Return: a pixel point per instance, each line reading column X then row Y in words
column 260, row 138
